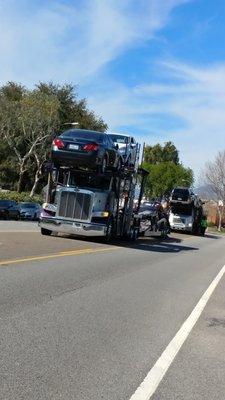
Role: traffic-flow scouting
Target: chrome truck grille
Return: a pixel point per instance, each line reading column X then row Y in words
column 75, row 205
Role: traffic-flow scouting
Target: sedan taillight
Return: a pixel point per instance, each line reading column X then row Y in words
column 91, row 147
column 58, row 143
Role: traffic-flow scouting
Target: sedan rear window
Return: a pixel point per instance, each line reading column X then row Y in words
column 87, row 135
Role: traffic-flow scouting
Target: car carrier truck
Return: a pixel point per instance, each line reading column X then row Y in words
column 186, row 211
column 89, row 203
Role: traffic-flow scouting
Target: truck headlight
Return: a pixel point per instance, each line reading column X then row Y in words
column 100, row 214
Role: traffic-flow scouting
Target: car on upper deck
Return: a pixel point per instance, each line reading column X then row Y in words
column 127, row 147
column 85, row 149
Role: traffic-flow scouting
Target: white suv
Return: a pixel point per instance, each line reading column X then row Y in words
column 127, row 147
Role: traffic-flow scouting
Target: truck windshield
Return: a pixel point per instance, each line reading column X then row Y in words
column 91, row 181
column 180, row 193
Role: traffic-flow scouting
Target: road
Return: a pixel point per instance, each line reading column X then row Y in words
column 82, row 320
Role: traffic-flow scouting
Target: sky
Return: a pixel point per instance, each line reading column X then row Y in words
column 151, row 68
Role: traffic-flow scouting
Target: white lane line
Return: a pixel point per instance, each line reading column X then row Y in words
column 156, row 374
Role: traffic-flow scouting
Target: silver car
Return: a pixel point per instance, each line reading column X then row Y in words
column 127, row 147
column 29, row 210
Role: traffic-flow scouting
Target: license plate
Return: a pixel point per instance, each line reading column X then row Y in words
column 73, row 147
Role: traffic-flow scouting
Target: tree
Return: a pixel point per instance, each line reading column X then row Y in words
column 26, row 124
column 214, row 176
column 157, row 154
column 71, row 109
column 164, row 177
column 29, row 119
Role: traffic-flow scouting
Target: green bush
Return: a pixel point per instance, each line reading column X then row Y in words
column 20, row 197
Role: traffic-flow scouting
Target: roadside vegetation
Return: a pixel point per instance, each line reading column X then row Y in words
column 29, row 120
column 165, row 170
column 20, row 197
column 213, row 176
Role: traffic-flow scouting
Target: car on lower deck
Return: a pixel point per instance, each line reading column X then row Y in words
column 127, row 147
column 9, row 209
column 85, row 149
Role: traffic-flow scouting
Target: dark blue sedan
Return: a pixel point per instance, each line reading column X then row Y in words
column 84, row 149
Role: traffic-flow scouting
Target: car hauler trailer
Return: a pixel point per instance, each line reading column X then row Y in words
column 87, row 203
column 186, row 211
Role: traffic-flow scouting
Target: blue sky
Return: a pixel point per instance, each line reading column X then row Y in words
column 154, row 68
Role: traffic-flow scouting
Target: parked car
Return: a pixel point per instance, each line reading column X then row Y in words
column 9, row 209
column 85, row 149
column 29, row 210
column 127, row 147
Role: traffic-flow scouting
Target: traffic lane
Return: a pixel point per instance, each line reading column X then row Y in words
column 16, row 245
column 17, row 241
column 98, row 327
column 21, row 242
column 18, row 226
column 21, row 282
column 198, row 370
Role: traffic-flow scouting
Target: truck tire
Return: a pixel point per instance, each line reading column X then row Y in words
column 46, row 232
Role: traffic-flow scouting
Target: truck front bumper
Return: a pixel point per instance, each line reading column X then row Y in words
column 73, row 227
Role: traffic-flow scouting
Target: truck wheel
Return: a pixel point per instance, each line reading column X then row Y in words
column 46, row 232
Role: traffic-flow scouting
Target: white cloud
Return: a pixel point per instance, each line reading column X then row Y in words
column 195, row 101
column 57, row 41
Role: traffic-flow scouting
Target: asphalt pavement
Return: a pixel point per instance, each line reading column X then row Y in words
column 85, row 320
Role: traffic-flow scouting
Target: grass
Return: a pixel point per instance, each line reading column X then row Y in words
column 214, row 229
